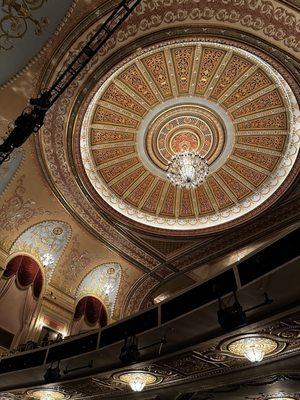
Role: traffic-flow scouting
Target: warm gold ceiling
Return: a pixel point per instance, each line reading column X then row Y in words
column 215, row 99
column 50, row 182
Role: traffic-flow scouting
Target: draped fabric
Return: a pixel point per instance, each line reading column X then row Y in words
column 5, row 285
column 38, row 284
column 27, row 311
column 92, row 310
column 20, row 288
column 27, row 272
column 13, row 266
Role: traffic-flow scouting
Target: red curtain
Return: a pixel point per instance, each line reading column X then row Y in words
column 13, row 266
column 28, row 272
column 38, row 284
column 80, row 308
column 92, row 309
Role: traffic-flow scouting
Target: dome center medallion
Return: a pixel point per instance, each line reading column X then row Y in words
column 184, row 127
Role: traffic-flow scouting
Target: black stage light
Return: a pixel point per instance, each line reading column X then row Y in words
column 232, row 317
column 130, row 351
column 235, row 316
column 52, row 374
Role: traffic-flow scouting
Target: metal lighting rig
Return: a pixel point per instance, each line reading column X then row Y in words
column 31, row 119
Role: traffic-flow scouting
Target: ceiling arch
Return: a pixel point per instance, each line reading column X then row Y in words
column 102, row 282
column 46, row 241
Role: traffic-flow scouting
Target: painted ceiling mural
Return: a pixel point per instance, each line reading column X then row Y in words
column 222, row 102
column 25, row 27
column 46, row 241
column 218, row 77
column 102, row 282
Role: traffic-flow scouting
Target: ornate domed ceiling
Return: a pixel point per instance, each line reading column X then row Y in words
column 225, row 103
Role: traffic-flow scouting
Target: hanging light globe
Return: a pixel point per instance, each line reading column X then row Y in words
column 187, row 169
column 253, row 348
column 138, row 380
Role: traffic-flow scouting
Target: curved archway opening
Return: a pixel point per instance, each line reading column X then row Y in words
column 90, row 313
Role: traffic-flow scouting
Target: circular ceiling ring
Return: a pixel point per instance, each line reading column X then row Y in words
column 118, row 115
column 98, row 203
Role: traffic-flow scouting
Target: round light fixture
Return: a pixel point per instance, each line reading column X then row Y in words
column 187, row 169
column 46, row 394
column 138, row 380
column 281, row 398
column 253, row 348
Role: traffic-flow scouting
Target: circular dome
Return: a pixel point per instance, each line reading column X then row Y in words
column 184, row 127
column 224, row 102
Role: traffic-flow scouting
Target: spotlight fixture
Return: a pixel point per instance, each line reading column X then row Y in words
column 253, row 348
column 52, row 374
column 138, row 380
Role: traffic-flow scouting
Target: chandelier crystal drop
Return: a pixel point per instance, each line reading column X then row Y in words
column 187, row 169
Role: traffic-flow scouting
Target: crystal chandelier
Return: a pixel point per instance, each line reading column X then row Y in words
column 281, row 398
column 187, row 169
column 253, row 348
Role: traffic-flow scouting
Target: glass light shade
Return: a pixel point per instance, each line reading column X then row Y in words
column 187, row 169
column 46, row 397
column 254, row 354
column 137, row 380
column 137, row 384
column 47, row 394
